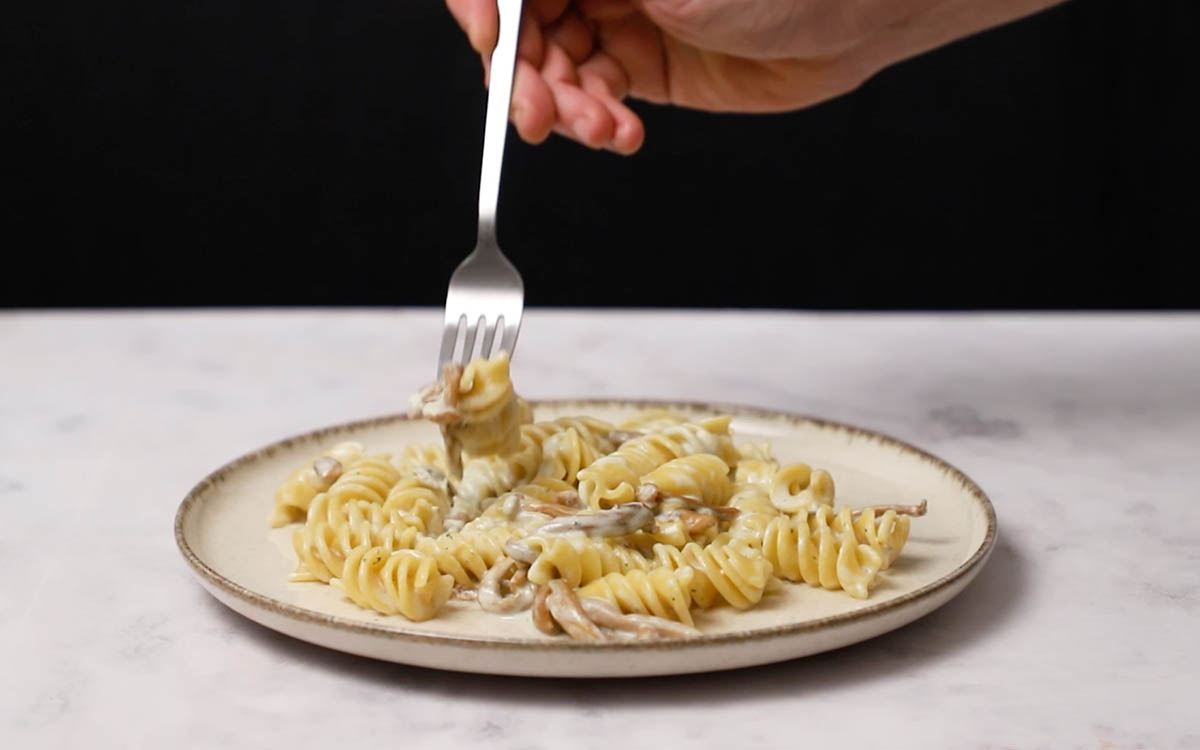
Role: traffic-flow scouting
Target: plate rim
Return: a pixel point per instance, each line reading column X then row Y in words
column 304, row 615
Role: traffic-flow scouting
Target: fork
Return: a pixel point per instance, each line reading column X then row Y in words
column 486, row 292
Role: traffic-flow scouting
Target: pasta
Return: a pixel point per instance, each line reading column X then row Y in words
column 701, row 476
column 294, row 496
column 701, row 589
column 602, row 531
column 809, row 548
column 423, row 498
column 418, row 455
column 477, row 409
column 615, row 478
column 662, row 592
column 652, row 420
column 796, row 488
column 738, row 572
column 402, row 582
column 338, row 526
column 579, row 559
column 490, row 476
column 755, row 511
column 885, row 534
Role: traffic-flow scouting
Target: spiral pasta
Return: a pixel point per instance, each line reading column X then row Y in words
column 886, row 534
column 597, row 529
column 402, row 582
column 423, row 499
column 755, row 471
column 369, row 478
column 488, row 411
column 701, row 476
column 738, row 572
column 565, row 453
column 490, row 476
column 615, row 478
column 755, row 511
column 296, row 494
column 796, row 488
column 454, row 557
column 807, row 548
column 549, row 448
column 653, row 420
column 702, row 591
column 759, row 451
column 661, row 592
column 337, row 525
column 578, row 559
column 421, row 455
column 488, row 543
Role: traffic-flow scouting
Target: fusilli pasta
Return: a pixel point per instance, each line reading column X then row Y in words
column 294, row 496
column 403, row 582
column 597, row 529
column 661, row 592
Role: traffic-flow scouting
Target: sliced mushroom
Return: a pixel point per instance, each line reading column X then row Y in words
column 619, row 521
column 697, row 523
column 491, row 595
column 551, row 509
column 606, row 614
column 647, row 494
column 901, row 510
column 569, row 498
column 623, row 436
column 542, row 619
column 564, row 606
column 520, row 551
column 327, row 469
column 438, row 402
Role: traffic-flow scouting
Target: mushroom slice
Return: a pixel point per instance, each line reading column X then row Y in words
column 568, row 612
column 606, row 614
column 491, row 595
column 620, row 521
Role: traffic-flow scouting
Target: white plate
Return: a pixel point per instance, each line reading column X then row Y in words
column 222, row 532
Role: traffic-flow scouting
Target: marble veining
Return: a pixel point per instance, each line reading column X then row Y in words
column 1080, row 632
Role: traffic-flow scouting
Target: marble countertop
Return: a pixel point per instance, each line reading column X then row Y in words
column 1081, row 632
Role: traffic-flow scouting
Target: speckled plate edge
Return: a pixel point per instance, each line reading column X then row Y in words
column 932, row 595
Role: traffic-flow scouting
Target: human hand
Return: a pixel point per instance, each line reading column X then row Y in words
column 579, row 59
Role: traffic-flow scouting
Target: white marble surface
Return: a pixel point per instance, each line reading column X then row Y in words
column 1082, row 632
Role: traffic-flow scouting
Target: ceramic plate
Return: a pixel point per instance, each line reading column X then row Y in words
column 222, row 531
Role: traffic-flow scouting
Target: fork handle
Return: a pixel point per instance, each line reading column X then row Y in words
column 495, row 128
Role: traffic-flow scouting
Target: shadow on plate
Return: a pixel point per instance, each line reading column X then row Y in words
column 986, row 604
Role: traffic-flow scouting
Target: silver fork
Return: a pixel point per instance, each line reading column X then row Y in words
column 486, row 293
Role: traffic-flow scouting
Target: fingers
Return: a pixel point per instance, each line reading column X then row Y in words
column 530, row 44
column 530, row 47
column 573, row 34
column 562, row 82
column 533, row 110
column 641, row 51
column 479, row 19
column 580, row 114
column 605, row 10
column 603, row 79
column 547, row 11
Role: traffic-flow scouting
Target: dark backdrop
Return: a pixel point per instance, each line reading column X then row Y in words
column 202, row 152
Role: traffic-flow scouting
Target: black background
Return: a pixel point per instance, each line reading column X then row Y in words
column 314, row 152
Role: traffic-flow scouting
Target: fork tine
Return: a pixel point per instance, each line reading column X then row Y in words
column 449, row 339
column 509, row 342
column 469, row 346
column 489, row 334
